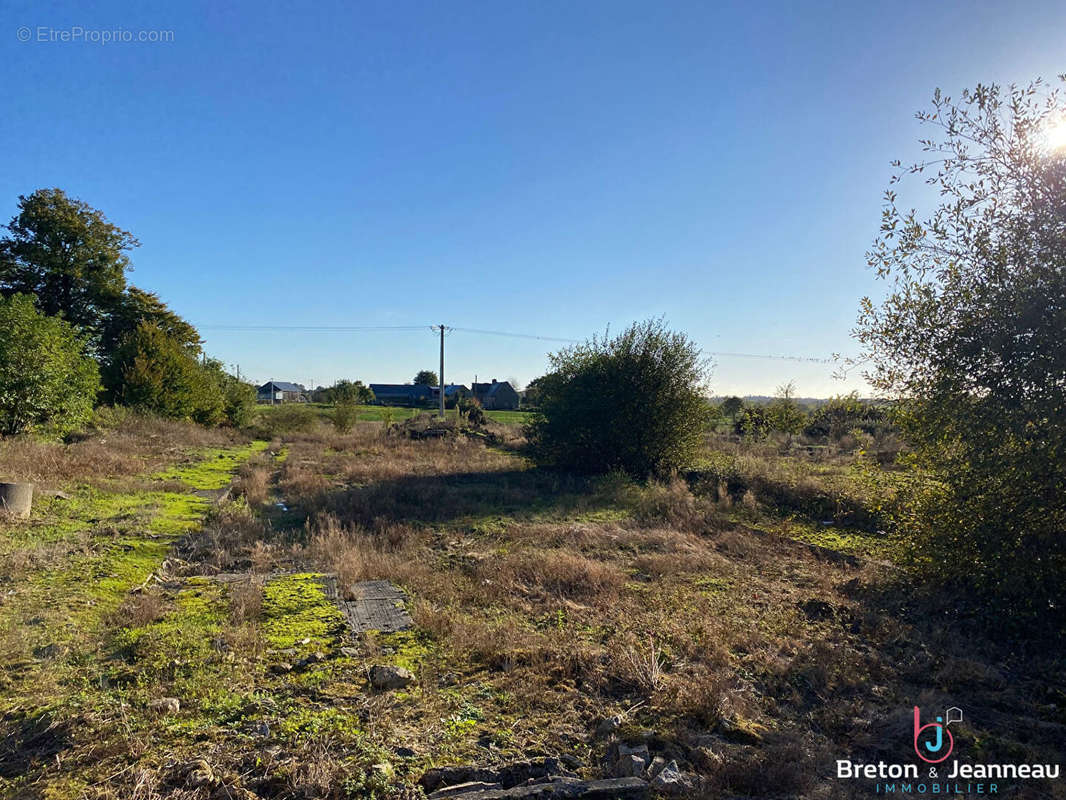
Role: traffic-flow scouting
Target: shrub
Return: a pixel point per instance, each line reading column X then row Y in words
column 633, row 403
column 840, row 415
column 344, row 415
column 46, row 380
column 752, row 422
column 287, row 418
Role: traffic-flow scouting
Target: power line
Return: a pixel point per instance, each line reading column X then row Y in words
column 482, row 331
column 318, row 328
column 809, row 359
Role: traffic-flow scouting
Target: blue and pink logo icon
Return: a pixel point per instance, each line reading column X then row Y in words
column 930, row 744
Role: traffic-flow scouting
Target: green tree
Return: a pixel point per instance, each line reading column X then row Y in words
column 753, row 422
column 969, row 342
column 426, row 377
column 634, row 403
column 73, row 261
column 731, row 407
column 46, row 380
column 784, row 412
column 68, row 256
column 163, row 376
column 353, row 392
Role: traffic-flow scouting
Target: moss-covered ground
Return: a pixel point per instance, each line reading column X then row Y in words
column 68, row 627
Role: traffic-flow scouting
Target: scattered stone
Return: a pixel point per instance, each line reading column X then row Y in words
column 165, row 705
column 619, row 750
column 350, row 652
column 671, row 780
column 608, row 726
column 386, row 676
column 263, row 730
column 656, row 766
column 404, row 752
column 313, row 658
column 630, row 766
column 281, row 667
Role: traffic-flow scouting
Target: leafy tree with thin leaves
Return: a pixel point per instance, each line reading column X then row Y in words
column 46, row 380
column 426, row 377
column 969, row 342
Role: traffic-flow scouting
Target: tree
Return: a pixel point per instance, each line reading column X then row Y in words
column 633, row 403
column 46, row 380
column 354, row 392
column 969, row 343
column 426, row 377
column 161, row 375
column 784, row 413
column 731, row 407
column 68, row 256
column 73, row 261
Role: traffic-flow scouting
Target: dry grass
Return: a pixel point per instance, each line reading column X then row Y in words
column 130, row 445
column 544, row 603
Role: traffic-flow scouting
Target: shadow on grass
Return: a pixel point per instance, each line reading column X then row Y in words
column 468, row 497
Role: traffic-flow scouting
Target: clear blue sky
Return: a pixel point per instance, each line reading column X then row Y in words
column 545, row 168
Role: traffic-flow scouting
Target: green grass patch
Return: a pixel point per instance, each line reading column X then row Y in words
column 297, row 614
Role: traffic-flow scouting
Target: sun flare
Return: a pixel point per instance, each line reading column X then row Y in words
column 1055, row 136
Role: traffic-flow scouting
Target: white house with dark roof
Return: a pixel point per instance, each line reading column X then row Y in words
column 278, row 392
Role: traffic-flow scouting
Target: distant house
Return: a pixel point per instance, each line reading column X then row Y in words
column 453, row 391
column 496, row 396
column 402, row 394
column 278, row 392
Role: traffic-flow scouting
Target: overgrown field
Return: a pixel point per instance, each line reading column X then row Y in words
column 746, row 620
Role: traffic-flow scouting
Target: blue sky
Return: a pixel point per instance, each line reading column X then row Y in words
column 544, row 168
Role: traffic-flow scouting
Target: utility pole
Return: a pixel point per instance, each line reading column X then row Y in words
column 442, row 370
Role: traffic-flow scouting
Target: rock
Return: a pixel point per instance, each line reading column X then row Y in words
column 608, row 726
column 630, row 766
column 571, row 761
column 614, row 789
column 165, row 705
column 404, row 752
column 263, row 729
column 463, row 789
column 281, row 667
column 620, row 749
column 438, row 777
column 671, row 780
column 386, row 676
column 656, row 766
column 568, row 788
column 313, row 658
column 350, row 652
